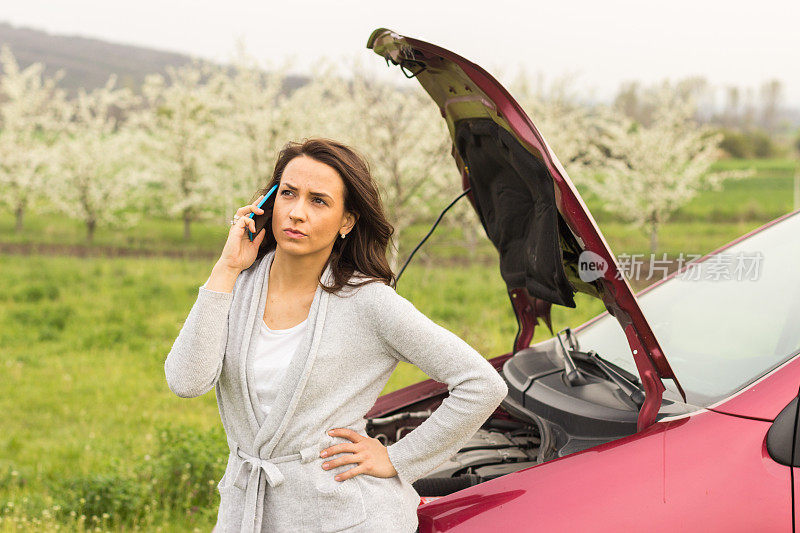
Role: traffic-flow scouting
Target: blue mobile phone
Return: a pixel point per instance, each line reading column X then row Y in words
column 262, row 221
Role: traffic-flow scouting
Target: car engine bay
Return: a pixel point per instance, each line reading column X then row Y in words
column 499, row 447
column 547, row 414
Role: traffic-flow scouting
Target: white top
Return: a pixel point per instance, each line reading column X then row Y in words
column 273, row 351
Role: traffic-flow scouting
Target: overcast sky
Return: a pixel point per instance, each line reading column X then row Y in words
column 600, row 43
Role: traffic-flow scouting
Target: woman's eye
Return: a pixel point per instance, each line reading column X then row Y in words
column 320, row 200
column 285, row 190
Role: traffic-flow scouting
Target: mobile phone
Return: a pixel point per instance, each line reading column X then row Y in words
column 261, row 220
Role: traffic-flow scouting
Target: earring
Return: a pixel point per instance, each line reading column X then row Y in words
column 342, row 235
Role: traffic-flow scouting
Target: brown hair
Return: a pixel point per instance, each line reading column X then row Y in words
column 364, row 248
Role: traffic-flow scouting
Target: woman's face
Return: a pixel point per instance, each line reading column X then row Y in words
column 310, row 199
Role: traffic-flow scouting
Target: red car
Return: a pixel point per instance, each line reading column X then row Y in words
column 597, row 433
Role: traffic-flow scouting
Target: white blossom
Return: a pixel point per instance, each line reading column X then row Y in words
column 93, row 179
column 256, row 127
column 185, row 146
column 32, row 116
column 649, row 171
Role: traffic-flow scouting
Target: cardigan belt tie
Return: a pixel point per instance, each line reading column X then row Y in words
column 251, row 482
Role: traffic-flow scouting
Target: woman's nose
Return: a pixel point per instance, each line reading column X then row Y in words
column 296, row 211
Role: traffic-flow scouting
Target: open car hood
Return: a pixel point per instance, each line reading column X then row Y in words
column 527, row 204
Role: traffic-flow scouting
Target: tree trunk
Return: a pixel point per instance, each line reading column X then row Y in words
column 90, row 227
column 19, row 212
column 653, row 233
column 187, row 221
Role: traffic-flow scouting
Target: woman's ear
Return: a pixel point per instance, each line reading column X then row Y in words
column 351, row 219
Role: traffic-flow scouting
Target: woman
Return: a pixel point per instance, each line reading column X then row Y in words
column 298, row 334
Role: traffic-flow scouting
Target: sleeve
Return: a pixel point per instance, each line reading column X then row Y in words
column 194, row 362
column 475, row 387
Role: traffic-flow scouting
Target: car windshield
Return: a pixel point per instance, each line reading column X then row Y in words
column 725, row 321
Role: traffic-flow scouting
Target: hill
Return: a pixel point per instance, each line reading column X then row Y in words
column 88, row 62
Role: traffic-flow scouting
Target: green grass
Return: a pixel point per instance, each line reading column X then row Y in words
column 676, row 238
column 782, row 167
column 764, row 196
column 84, row 342
column 150, row 233
column 760, row 198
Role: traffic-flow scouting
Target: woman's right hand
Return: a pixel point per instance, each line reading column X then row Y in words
column 239, row 253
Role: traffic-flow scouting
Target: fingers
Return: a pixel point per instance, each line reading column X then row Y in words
column 344, row 459
column 354, row 453
column 339, row 448
column 250, row 208
column 247, row 209
column 246, row 222
column 356, row 470
column 346, row 433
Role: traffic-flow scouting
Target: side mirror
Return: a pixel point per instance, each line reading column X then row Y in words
column 783, row 440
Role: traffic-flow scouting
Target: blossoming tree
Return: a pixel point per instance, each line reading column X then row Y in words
column 651, row 170
column 94, row 179
column 32, row 116
column 188, row 161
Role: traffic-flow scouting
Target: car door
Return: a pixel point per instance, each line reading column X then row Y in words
column 783, row 445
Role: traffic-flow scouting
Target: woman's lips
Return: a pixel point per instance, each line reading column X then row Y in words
column 293, row 234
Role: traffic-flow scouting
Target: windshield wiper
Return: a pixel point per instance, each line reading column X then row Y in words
column 615, row 374
column 634, row 392
column 571, row 372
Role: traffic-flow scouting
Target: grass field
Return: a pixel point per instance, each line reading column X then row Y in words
column 84, row 342
column 89, row 426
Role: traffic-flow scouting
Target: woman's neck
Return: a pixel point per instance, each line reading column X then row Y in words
column 297, row 274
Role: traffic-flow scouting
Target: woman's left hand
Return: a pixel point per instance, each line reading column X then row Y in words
column 371, row 455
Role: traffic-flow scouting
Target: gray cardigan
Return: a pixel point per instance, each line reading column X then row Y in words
column 354, row 339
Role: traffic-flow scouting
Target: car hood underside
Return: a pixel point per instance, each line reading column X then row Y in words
column 515, row 200
column 527, row 204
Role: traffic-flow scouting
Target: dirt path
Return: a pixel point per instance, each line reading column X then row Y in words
column 82, row 250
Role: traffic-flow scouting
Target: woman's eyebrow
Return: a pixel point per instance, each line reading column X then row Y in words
column 292, row 187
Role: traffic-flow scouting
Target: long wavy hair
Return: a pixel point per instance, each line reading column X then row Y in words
column 363, row 251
